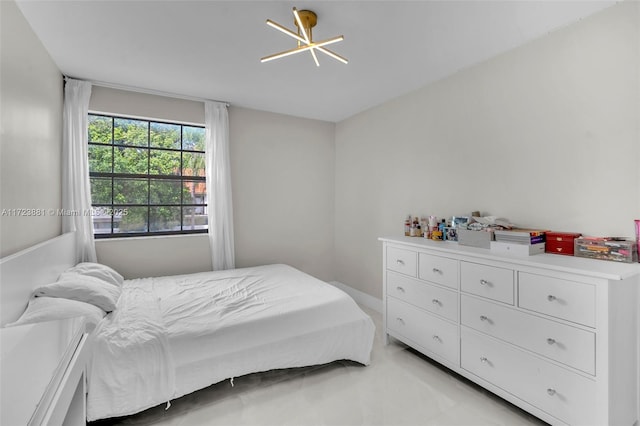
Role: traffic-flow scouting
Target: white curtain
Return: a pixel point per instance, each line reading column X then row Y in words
column 218, row 173
column 76, row 190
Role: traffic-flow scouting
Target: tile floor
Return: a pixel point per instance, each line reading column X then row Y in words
column 399, row 387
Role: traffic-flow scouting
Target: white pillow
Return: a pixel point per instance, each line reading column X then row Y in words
column 82, row 288
column 97, row 270
column 42, row 309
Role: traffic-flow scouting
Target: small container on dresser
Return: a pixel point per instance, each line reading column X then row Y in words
column 560, row 242
column 607, row 248
column 482, row 239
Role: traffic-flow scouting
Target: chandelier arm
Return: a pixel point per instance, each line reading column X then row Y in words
column 301, row 27
column 285, row 30
column 334, row 55
column 316, row 44
column 315, row 58
column 302, row 48
column 285, row 53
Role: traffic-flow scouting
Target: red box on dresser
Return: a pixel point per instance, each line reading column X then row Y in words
column 560, row 242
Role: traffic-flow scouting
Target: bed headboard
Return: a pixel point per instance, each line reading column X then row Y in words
column 21, row 272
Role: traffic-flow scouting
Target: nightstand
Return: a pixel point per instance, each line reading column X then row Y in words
column 42, row 373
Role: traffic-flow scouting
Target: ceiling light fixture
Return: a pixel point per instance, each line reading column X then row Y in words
column 305, row 20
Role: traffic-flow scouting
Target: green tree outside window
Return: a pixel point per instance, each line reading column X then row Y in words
column 146, row 176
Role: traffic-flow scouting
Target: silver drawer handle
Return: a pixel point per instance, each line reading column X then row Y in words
column 484, row 282
column 400, row 262
column 436, row 302
column 400, row 320
column 400, row 289
column 436, row 271
column 484, row 318
column 483, row 360
column 437, row 338
column 551, row 298
column 551, row 341
column 551, row 391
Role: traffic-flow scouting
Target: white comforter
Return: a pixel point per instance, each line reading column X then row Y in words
column 170, row 336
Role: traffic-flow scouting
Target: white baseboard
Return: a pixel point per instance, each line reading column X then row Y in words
column 360, row 297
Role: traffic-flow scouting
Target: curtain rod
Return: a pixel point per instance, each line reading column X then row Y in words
column 146, row 91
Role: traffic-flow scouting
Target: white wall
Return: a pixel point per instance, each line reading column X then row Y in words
column 141, row 257
column 31, row 131
column 545, row 135
column 136, row 104
column 282, row 176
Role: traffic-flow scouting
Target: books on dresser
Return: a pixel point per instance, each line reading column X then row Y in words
column 522, row 242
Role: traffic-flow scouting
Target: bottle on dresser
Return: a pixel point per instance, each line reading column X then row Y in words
column 415, row 228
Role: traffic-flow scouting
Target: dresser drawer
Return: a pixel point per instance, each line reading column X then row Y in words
column 560, row 342
column 433, row 334
column 559, row 392
column 439, row 270
column 423, row 295
column 403, row 261
column 487, row 281
column 569, row 300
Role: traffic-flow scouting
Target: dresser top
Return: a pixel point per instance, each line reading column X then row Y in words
column 571, row 264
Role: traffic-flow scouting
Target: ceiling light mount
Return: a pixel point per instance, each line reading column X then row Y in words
column 305, row 20
column 308, row 18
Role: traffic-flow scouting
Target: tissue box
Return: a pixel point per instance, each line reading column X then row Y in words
column 480, row 239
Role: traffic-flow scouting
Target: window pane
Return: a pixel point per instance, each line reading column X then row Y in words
column 131, row 160
column 193, row 164
column 100, row 158
column 165, row 135
column 165, row 191
column 164, row 163
column 193, row 138
column 135, row 220
column 100, row 129
column 164, row 219
column 130, row 132
column 142, row 190
column 101, row 190
column 194, row 218
column 195, row 192
column 130, row 191
column 101, row 221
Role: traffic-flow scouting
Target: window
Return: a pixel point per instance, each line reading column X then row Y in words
column 147, row 177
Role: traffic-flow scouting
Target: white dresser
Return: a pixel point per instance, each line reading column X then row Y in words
column 554, row 335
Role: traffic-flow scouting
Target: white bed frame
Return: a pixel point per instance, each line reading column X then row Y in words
column 21, row 272
column 63, row 401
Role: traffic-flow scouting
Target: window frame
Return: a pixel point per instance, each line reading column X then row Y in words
column 147, row 177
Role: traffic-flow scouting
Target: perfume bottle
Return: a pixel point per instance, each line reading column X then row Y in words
column 407, row 225
column 637, row 221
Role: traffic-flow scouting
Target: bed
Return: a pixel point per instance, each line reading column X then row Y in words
column 170, row 336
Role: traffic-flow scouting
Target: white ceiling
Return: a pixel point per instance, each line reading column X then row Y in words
column 211, row 49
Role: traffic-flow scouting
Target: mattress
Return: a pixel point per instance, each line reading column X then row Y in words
column 170, row 336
